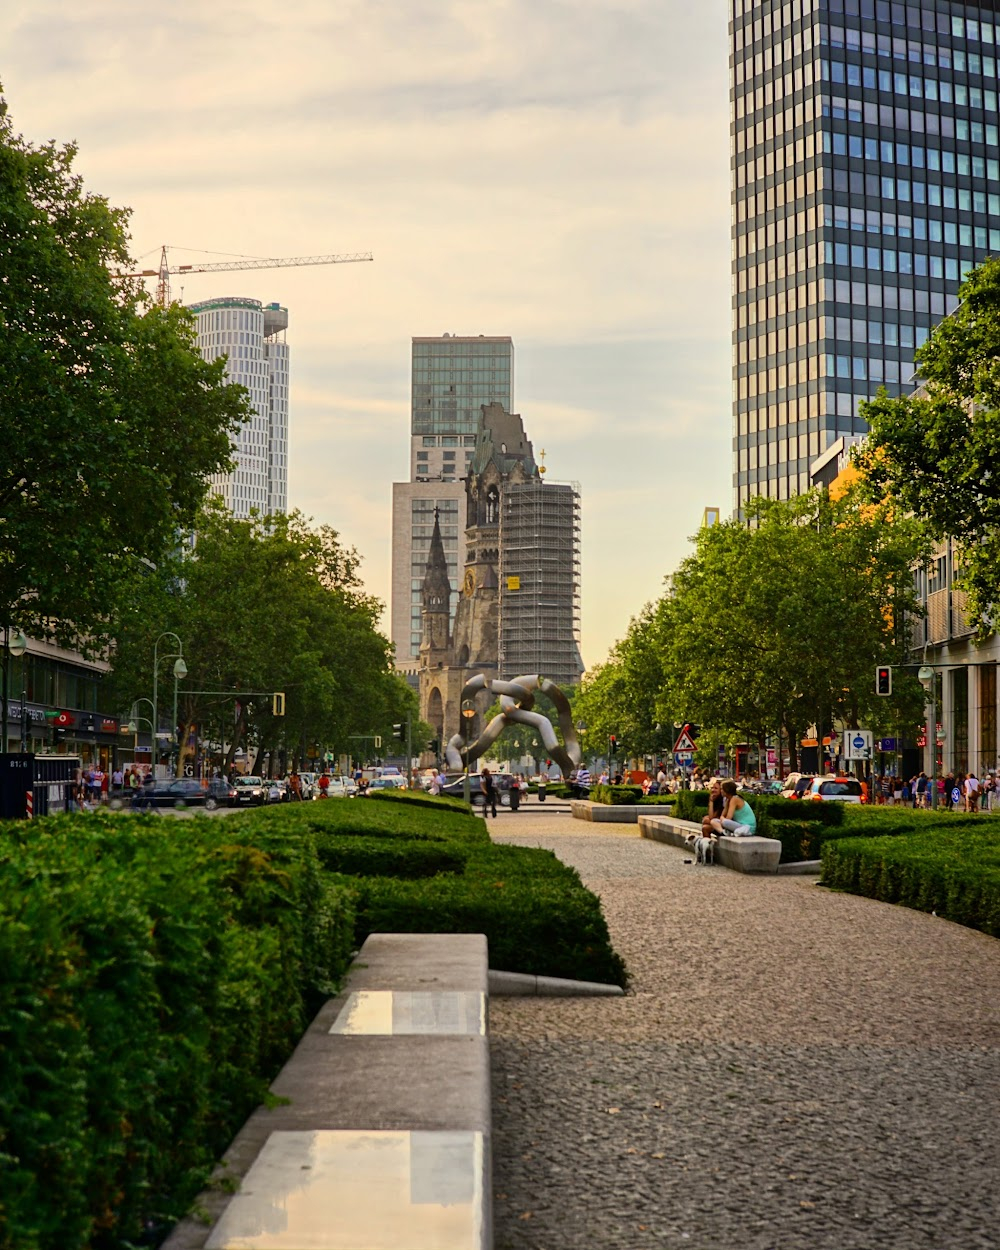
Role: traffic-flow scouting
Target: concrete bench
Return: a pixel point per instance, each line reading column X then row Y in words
column 626, row 814
column 382, row 1135
column 741, row 854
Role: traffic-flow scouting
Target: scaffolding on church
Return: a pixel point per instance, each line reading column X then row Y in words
column 540, row 581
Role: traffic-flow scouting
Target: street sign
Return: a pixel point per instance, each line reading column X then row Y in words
column 857, row 744
column 685, row 744
column 887, row 744
column 683, row 757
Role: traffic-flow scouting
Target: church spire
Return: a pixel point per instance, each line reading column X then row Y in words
column 436, row 590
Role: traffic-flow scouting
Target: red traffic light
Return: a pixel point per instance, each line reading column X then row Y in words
column 883, row 680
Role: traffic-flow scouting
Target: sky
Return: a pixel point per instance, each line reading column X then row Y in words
column 550, row 170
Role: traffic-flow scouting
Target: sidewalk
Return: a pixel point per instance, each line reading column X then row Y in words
column 793, row 1069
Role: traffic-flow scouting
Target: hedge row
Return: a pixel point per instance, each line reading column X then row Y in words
column 155, row 977
column 536, row 914
column 954, row 872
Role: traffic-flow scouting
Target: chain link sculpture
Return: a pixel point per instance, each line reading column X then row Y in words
column 517, row 698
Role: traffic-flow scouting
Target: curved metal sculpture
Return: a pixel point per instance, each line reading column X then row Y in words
column 517, row 698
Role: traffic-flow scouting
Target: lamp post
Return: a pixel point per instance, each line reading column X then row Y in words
column 928, row 679
column 180, row 671
column 16, row 647
column 178, row 654
column 468, row 711
column 132, row 728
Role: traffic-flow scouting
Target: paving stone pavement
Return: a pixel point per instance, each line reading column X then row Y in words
column 793, row 1069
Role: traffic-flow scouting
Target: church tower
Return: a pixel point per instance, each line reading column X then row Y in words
column 435, row 601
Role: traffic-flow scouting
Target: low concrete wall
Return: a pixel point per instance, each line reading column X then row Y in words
column 627, row 814
column 756, row 855
column 390, row 1081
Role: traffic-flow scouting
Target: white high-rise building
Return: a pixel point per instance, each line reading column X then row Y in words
column 252, row 337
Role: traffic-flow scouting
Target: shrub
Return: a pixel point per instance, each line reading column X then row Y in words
column 691, row 805
column 663, row 800
column 954, row 872
column 536, row 914
column 438, row 802
column 616, row 796
column 156, row 975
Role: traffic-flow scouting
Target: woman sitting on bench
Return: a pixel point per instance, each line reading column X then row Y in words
column 738, row 819
column 716, row 808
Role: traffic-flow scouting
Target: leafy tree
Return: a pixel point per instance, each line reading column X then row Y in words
column 262, row 605
column 628, row 695
column 111, row 420
column 935, row 452
column 782, row 622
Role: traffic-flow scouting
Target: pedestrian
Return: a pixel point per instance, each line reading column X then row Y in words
column 117, row 780
column 489, row 792
column 972, row 793
column 295, row 786
column 515, row 793
column 738, row 818
column 324, row 784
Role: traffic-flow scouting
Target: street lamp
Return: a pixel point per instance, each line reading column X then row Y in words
column 180, row 671
column 17, row 646
column 468, row 711
column 133, row 728
column 178, row 654
column 928, row 679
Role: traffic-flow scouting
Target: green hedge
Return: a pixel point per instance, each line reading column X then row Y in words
column 419, row 798
column 954, row 872
column 155, row 976
column 534, row 910
column 691, row 805
column 663, row 800
column 616, row 796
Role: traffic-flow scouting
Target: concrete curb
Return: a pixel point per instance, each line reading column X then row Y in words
column 524, row 984
column 805, row 867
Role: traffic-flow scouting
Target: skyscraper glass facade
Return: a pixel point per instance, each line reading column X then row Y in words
column 865, row 182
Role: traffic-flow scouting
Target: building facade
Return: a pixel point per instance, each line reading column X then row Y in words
column 518, row 608
column 252, row 337
column 865, row 182
column 451, row 378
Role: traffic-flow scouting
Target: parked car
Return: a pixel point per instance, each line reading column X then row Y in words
column 502, row 781
column 796, row 785
column 184, row 792
column 251, row 791
column 384, row 783
column 308, row 784
column 837, row 789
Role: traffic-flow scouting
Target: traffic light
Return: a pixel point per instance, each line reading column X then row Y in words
column 278, row 703
column 435, row 747
column 612, row 746
column 399, row 730
column 883, row 680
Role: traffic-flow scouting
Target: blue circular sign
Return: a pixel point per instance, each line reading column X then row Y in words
column 859, row 743
column 956, row 795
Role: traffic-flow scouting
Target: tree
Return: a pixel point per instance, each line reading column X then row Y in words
column 935, row 452
column 627, row 696
column 781, row 622
column 111, row 420
column 262, row 605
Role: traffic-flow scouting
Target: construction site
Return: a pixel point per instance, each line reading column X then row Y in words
column 540, row 581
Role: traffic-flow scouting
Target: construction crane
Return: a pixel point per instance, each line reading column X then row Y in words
column 162, row 274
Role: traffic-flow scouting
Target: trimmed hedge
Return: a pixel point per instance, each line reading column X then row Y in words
column 616, row 796
column 155, row 976
column 420, row 798
column 536, row 914
column 691, row 805
column 954, row 872
column 663, row 800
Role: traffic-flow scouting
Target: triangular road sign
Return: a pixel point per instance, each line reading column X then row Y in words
column 684, row 741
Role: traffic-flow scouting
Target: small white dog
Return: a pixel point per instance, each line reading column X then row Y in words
column 703, row 847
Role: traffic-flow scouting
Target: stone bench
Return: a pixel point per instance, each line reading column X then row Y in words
column 626, row 814
column 380, row 1132
column 741, row 854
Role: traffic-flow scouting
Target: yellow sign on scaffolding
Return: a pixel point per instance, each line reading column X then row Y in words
column 513, row 583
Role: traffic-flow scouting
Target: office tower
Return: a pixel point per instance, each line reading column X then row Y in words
column 252, row 337
column 865, row 183
column 451, row 378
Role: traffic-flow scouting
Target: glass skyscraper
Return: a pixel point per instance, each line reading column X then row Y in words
column 452, row 376
column 865, row 182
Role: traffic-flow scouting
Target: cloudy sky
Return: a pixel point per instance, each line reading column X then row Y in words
column 554, row 171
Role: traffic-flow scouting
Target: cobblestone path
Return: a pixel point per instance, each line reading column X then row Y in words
column 793, row 1070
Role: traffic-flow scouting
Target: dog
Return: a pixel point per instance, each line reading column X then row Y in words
column 703, row 847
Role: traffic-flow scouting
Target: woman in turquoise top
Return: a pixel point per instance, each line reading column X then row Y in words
column 738, row 819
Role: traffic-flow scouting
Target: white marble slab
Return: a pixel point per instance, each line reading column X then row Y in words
column 359, row 1190
column 441, row 1013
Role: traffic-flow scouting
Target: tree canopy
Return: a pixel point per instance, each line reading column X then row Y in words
column 771, row 623
column 111, row 420
column 936, row 452
column 267, row 604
